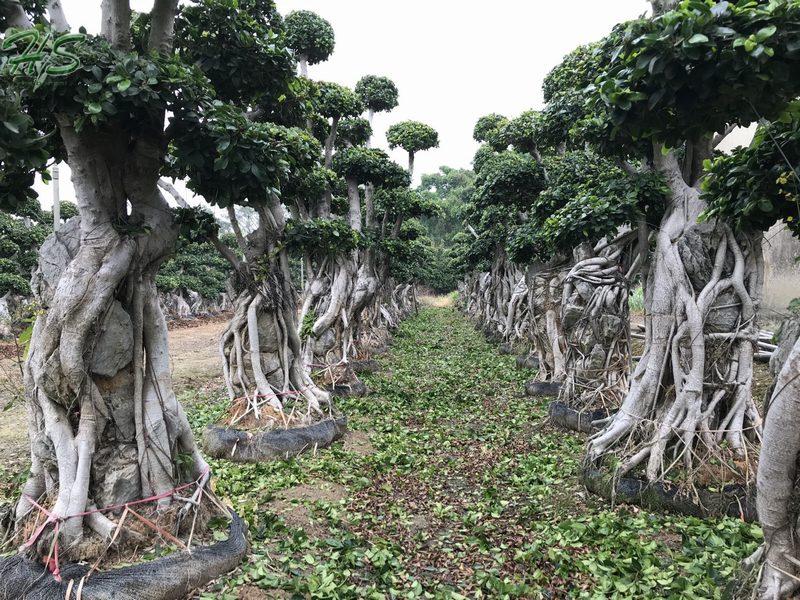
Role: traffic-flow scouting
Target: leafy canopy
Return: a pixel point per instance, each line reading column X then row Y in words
column 412, row 136
column 310, row 36
column 754, row 187
column 379, row 94
column 699, row 68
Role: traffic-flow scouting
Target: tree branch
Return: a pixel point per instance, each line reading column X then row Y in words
column 58, row 20
column 115, row 24
column 14, row 15
column 162, row 29
column 227, row 253
column 237, row 231
column 170, row 189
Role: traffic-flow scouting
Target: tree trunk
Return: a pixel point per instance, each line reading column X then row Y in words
column 692, row 389
column 104, row 423
column 778, row 491
column 545, row 295
column 595, row 320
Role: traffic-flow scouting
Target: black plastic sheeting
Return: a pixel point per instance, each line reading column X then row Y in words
column 356, row 389
column 566, row 417
column 731, row 501
column 276, row 444
column 170, row 578
column 542, row 388
column 528, row 361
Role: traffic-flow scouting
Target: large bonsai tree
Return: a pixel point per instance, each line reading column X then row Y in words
column 751, row 190
column 675, row 81
column 105, row 426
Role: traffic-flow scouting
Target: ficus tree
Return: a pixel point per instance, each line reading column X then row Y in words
column 311, row 38
column 413, row 137
column 105, row 425
column 752, row 189
column 677, row 82
column 233, row 157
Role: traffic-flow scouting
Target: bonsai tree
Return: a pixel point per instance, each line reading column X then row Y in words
column 310, row 36
column 413, row 137
column 106, row 428
column 751, row 190
column 675, row 81
column 257, row 160
column 378, row 94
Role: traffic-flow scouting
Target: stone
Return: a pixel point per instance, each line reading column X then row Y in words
column 114, row 348
column 115, row 475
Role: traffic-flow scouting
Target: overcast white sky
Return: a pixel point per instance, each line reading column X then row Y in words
column 452, row 60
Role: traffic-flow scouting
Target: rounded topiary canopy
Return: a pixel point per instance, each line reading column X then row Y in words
column 369, row 165
column 412, row 136
column 353, row 131
column 309, row 35
column 489, row 128
column 337, row 101
column 379, row 94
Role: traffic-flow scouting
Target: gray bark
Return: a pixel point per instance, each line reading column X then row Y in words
column 777, row 484
column 162, row 26
column 692, row 388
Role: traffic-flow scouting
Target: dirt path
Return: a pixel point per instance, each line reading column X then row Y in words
column 195, row 363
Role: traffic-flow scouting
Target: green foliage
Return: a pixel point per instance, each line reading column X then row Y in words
column 197, row 267
column 587, row 198
column 409, row 255
column 401, row 201
column 309, row 35
column 322, row 237
column 232, row 160
column 23, row 152
column 754, row 187
column 239, row 45
column 412, row 136
column 354, row 131
column 19, row 247
column 482, row 157
column 123, row 87
column 337, row 101
column 510, row 179
column 450, row 190
column 379, row 94
column 490, row 129
column 369, row 165
column 699, row 68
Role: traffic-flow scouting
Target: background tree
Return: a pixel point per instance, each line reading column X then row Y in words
column 310, row 36
column 413, row 137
